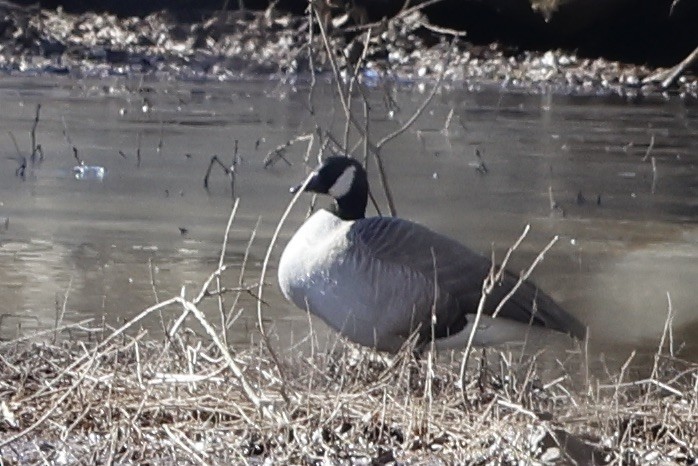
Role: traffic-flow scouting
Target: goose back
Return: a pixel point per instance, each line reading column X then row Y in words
column 378, row 279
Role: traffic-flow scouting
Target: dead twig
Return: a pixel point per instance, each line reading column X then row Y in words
column 280, row 150
column 441, row 30
column 219, row 287
column 404, row 12
column 228, row 170
column 667, row 78
column 260, row 291
column 60, row 314
column 490, row 282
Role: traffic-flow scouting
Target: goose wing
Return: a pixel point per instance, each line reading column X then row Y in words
column 457, row 272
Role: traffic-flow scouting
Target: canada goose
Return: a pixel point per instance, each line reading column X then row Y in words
column 376, row 280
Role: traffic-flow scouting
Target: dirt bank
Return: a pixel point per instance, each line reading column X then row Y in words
column 654, row 32
column 243, row 44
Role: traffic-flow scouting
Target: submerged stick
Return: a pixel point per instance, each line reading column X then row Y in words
column 66, row 135
column 36, row 149
column 138, row 150
column 158, row 149
column 14, row 141
column 649, row 148
column 21, row 160
column 655, row 175
column 230, row 171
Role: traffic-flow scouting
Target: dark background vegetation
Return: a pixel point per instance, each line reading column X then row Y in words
column 654, row 32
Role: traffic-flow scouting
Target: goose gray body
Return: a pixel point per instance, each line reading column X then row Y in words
column 377, row 280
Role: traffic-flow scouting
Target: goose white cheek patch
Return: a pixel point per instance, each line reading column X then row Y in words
column 343, row 184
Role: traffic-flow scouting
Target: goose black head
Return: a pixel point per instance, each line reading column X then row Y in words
column 344, row 179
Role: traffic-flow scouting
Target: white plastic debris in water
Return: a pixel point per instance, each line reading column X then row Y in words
column 89, row 172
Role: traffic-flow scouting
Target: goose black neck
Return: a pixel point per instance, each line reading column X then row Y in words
column 347, row 210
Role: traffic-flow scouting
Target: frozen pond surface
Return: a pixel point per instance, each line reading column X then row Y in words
column 114, row 244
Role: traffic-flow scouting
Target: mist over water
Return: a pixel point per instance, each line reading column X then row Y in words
column 568, row 166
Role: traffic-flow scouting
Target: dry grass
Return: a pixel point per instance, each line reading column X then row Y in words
column 113, row 397
column 103, row 395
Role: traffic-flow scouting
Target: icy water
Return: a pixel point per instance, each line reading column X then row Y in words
column 109, row 244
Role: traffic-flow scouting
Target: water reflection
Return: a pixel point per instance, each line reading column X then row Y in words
column 569, row 166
